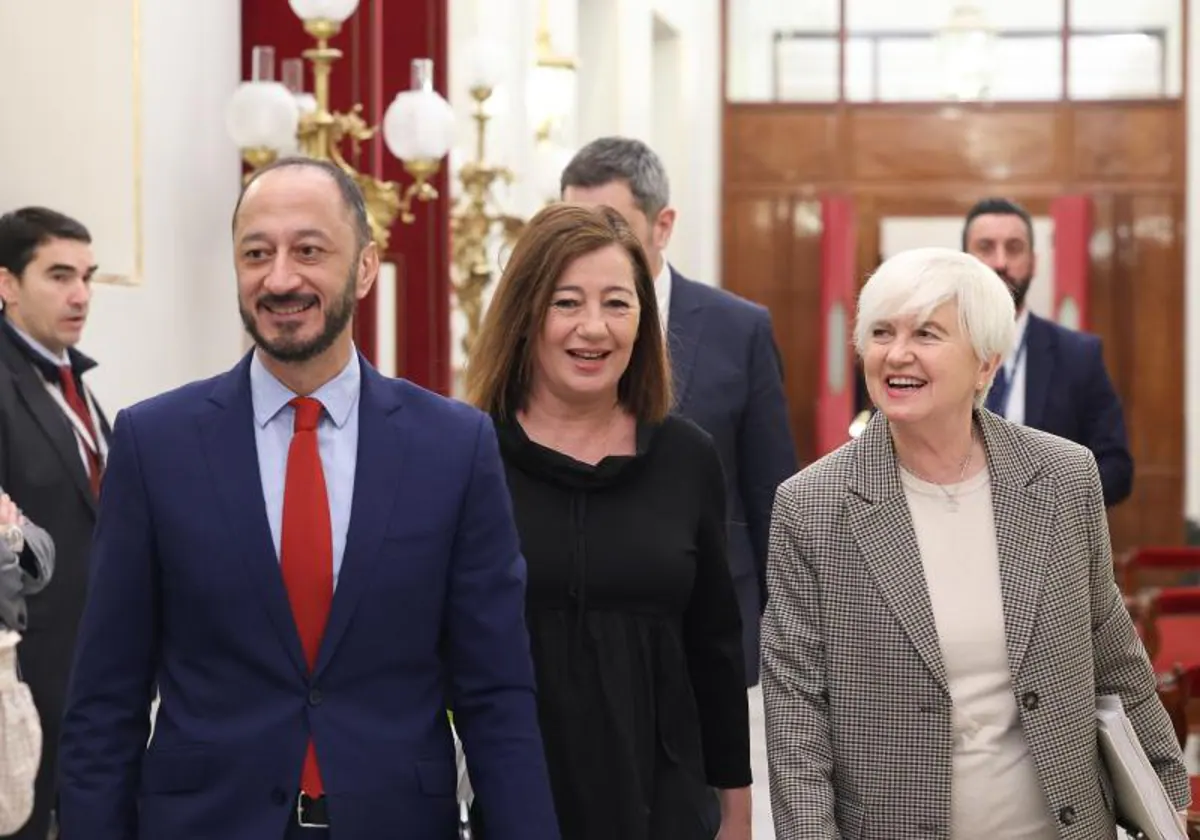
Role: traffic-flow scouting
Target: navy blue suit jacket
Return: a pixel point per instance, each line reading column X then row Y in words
column 187, row 595
column 728, row 380
column 1068, row 393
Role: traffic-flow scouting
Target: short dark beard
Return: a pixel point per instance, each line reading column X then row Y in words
column 337, row 317
column 1018, row 290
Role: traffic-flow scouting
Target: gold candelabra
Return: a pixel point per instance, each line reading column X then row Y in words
column 554, row 73
column 322, row 133
column 472, row 224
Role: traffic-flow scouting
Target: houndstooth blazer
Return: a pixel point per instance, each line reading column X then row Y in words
column 858, row 710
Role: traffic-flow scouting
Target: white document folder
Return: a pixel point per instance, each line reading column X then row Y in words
column 1141, row 801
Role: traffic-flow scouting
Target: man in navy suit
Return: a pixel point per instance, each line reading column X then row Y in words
column 1054, row 379
column 727, row 372
column 311, row 563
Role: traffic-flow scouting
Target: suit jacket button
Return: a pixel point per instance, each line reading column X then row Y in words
column 1030, row 700
column 315, row 698
column 1066, row 815
column 278, row 797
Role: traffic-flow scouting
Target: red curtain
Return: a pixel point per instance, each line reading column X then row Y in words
column 835, row 400
column 1072, row 234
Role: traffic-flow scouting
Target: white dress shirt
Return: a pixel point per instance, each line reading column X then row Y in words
column 62, row 360
column 1014, row 369
column 662, row 291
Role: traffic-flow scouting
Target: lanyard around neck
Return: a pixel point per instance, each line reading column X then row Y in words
column 97, row 446
column 1010, row 375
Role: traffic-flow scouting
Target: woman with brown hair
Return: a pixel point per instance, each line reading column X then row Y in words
column 632, row 614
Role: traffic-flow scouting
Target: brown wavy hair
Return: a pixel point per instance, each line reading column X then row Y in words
column 500, row 368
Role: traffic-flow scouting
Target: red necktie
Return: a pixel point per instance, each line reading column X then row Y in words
column 75, row 400
column 306, row 550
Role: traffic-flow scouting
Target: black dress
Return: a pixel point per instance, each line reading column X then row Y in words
column 635, row 632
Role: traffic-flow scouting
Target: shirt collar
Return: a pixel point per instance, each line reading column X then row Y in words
column 1021, row 325
column 662, row 288
column 339, row 395
column 45, row 361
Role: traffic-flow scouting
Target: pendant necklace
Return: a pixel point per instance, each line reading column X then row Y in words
column 952, row 498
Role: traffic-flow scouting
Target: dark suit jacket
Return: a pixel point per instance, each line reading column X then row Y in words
column 187, row 593
column 40, row 467
column 728, row 380
column 1068, row 393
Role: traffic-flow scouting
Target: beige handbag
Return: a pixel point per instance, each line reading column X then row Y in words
column 20, row 740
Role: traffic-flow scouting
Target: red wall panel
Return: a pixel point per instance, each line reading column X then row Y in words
column 1072, row 234
column 835, row 398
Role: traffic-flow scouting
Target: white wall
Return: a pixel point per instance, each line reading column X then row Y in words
column 157, row 200
column 696, row 168
column 900, row 233
column 618, row 89
column 616, row 94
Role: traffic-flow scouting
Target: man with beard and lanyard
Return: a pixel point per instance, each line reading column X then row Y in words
column 1054, row 379
column 312, row 562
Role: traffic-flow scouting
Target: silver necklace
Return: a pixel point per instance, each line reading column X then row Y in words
column 952, row 498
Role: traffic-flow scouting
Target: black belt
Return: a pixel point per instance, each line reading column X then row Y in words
column 312, row 813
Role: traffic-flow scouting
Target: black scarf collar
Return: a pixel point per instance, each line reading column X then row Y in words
column 80, row 363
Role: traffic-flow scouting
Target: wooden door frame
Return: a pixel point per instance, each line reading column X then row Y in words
column 873, row 208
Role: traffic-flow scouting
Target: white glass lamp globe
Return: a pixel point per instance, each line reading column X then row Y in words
column 334, row 10
column 419, row 125
column 487, row 63
column 262, row 115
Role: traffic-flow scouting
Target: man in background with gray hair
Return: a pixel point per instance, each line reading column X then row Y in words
column 728, row 377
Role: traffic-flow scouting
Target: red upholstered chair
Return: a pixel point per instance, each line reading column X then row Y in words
column 1175, row 626
column 1168, row 615
column 1178, row 689
column 1193, row 819
column 1164, row 564
column 1174, row 690
column 1188, row 682
column 1178, row 686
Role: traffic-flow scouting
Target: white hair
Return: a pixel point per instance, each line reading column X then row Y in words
column 914, row 283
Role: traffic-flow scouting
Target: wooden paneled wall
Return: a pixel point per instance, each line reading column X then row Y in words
column 937, row 160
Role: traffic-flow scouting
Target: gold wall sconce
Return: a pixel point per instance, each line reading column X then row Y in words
column 474, row 220
column 269, row 119
column 552, row 82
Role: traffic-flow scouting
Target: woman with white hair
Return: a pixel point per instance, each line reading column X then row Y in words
column 942, row 611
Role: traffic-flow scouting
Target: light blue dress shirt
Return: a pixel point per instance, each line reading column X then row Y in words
column 39, row 348
column 337, row 439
